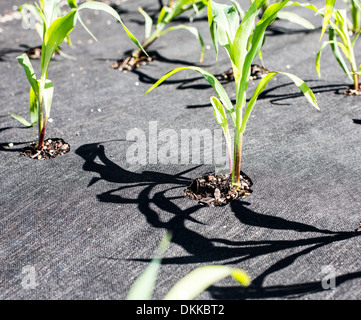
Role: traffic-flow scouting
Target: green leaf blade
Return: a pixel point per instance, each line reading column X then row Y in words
column 143, row 287
column 95, row 5
column 330, row 4
column 201, row 278
column 21, row 120
column 29, row 71
column 54, row 36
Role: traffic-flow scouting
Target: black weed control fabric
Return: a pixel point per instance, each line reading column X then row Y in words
column 86, row 224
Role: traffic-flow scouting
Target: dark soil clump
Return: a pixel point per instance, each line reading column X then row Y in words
column 352, row 92
column 216, row 190
column 130, row 63
column 35, row 53
column 257, row 72
column 52, row 149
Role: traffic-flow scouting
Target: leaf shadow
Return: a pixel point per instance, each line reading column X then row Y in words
column 4, row 146
column 276, row 98
column 277, row 30
column 4, row 52
column 155, row 200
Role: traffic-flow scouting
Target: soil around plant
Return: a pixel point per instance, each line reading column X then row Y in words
column 216, row 190
column 130, row 63
column 257, row 72
column 35, row 53
column 352, row 92
column 52, row 149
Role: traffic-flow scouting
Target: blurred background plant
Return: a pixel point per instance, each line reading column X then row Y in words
column 188, row 287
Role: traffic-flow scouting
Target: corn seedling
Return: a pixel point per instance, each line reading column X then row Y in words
column 187, row 288
column 338, row 30
column 41, row 90
column 242, row 42
column 155, row 30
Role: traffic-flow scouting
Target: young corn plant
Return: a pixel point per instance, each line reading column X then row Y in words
column 187, row 288
column 153, row 31
column 41, row 89
column 242, row 42
column 341, row 43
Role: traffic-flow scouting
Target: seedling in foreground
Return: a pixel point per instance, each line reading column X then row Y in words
column 167, row 14
column 41, row 90
column 243, row 42
column 338, row 28
column 187, row 288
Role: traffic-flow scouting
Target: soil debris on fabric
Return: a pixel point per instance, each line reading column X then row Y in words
column 257, row 72
column 130, row 63
column 35, row 53
column 216, row 190
column 52, row 149
column 352, row 92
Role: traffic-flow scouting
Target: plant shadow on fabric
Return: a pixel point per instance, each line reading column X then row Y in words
column 209, row 250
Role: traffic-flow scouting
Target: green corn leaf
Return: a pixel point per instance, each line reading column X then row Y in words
column 54, row 36
column 330, row 4
column 356, row 37
column 148, row 23
column 262, row 85
column 72, row 4
column 163, row 15
column 94, row 5
column 219, row 113
column 201, row 278
column 223, row 22
column 51, row 10
column 142, row 288
column 239, row 8
column 21, row 120
column 336, row 52
column 48, row 97
column 257, row 39
column 212, row 80
column 357, row 3
column 212, row 28
column 243, row 36
column 41, row 15
column 295, row 18
column 29, row 71
column 221, row 118
column 34, row 107
column 192, row 30
column 335, row 49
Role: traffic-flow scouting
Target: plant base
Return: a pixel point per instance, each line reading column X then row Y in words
column 352, row 92
column 52, row 149
column 130, row 63
column 257, row 72
column 216, row 190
